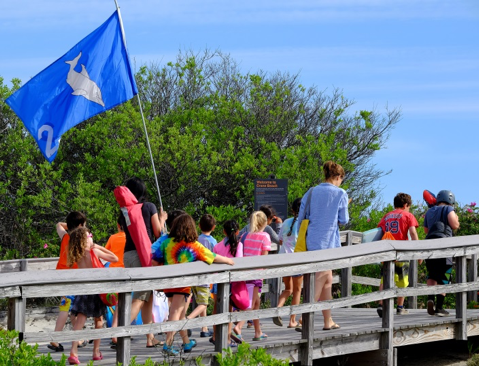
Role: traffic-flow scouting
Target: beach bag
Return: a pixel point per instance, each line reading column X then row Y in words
column 160, row 307
column 111, row 298
column 303, row 229
column 131, row 210
column 239, row 295
column 441, row 228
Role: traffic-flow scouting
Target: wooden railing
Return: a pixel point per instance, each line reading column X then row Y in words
column 19, row 286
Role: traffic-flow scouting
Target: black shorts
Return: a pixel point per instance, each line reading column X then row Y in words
column 439, row 270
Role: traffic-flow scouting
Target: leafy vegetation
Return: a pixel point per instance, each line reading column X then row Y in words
column 213, row 130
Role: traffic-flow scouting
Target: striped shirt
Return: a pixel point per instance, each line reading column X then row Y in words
column 255, row 243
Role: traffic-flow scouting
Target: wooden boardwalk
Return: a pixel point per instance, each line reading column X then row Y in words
column 360, row 332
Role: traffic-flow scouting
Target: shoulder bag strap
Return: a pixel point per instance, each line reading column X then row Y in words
column 307, row 207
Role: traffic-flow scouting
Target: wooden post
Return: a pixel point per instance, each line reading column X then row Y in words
column 386, row 340
column 306, row 349
column 347, row 273
column 123, row 343
column 472, row 277
column 222, row 306
column 17, row 308
column 412, row 300
column 461, row 300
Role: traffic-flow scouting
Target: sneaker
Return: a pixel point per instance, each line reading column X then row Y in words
column 430, row 307
column 441, row 312
column 379, row 309
column 189, row 346
column 170, row 351
column 402, row 311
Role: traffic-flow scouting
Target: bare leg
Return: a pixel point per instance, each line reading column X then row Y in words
column 60, row 324
column 96, row 342
column 256, row 305
column 297, row 282
column 323, row 284
column 114, row 323
column 287, row 292
column 79, row 323
column 177, row 311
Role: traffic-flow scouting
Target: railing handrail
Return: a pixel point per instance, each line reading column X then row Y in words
column 29, row 284
column 247, row 268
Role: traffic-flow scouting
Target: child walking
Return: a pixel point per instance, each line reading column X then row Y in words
column 202, row 293
column 256, row 242
column 74, row 219
column 182, row 247
column 229, row 247
column 292, row 284
column 81, row 250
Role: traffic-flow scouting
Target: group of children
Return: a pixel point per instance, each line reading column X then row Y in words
column 439, row 222
column 183, row 244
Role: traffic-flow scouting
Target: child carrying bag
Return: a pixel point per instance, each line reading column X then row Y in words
column 239, row 292
column 303, row 229
column 111, row 298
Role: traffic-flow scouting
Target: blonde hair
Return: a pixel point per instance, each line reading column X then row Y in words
column 332, row 170
column 77, row 245
column 257, row 222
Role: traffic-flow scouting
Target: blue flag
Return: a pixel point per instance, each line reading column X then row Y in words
column 94, row 76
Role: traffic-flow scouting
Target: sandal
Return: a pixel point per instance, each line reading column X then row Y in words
column 98, row 358
column 262, row 337
column 58, row 348
column 333, row 327
column 83, row 344
column 73, row 360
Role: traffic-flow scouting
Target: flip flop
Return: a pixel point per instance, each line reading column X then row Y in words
column 238, row 338
column 262, row 337
column 293, row 326
column 73, row 360
column 278, row 321
column 98, row 358
column 299, row 328
column 58, row 348
column 333, row 327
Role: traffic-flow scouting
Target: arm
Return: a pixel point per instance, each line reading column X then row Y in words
column 343, row 215
column 61, row 229
column 223, row 260
column 272, row 234
column 413, row 233
column 156, row 225
column 453, row 220
column 104, row 253
column 264, row 252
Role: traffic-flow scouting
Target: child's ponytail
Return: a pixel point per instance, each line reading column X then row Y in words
column 258, row 222
column 295, row 208
column 231, row 227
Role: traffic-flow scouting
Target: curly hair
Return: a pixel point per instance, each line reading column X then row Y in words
column 184, row 229
column 77, row 244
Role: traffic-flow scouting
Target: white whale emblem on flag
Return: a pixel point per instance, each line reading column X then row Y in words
column 82, row 84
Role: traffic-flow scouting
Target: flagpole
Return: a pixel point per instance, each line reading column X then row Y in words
column 141, row 111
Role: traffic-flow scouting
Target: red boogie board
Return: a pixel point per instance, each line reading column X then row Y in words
column 131, row 210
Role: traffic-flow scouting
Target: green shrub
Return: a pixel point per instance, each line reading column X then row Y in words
column 247, row 357
column 13, row 352
column 473, row 361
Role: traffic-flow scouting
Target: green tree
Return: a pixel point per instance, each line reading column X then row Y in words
column 213, row 130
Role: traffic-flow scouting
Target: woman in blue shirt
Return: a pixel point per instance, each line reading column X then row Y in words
column 328, row 209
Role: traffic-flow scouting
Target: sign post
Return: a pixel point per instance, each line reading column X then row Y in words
column 272, row 192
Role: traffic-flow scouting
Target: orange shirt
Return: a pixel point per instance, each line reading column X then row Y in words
column 116, row 244
column 62, row 262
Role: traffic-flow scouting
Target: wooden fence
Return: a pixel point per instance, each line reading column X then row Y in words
column 35, row 283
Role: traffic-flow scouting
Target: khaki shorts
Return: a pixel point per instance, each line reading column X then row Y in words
column 132, row 260
column 201, row 294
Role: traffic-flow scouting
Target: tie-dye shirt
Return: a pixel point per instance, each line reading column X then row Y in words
column 171, row 252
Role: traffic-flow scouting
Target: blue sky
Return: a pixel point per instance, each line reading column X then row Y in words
column 421, row 56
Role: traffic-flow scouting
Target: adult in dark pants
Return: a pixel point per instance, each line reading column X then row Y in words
column 142, row 300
